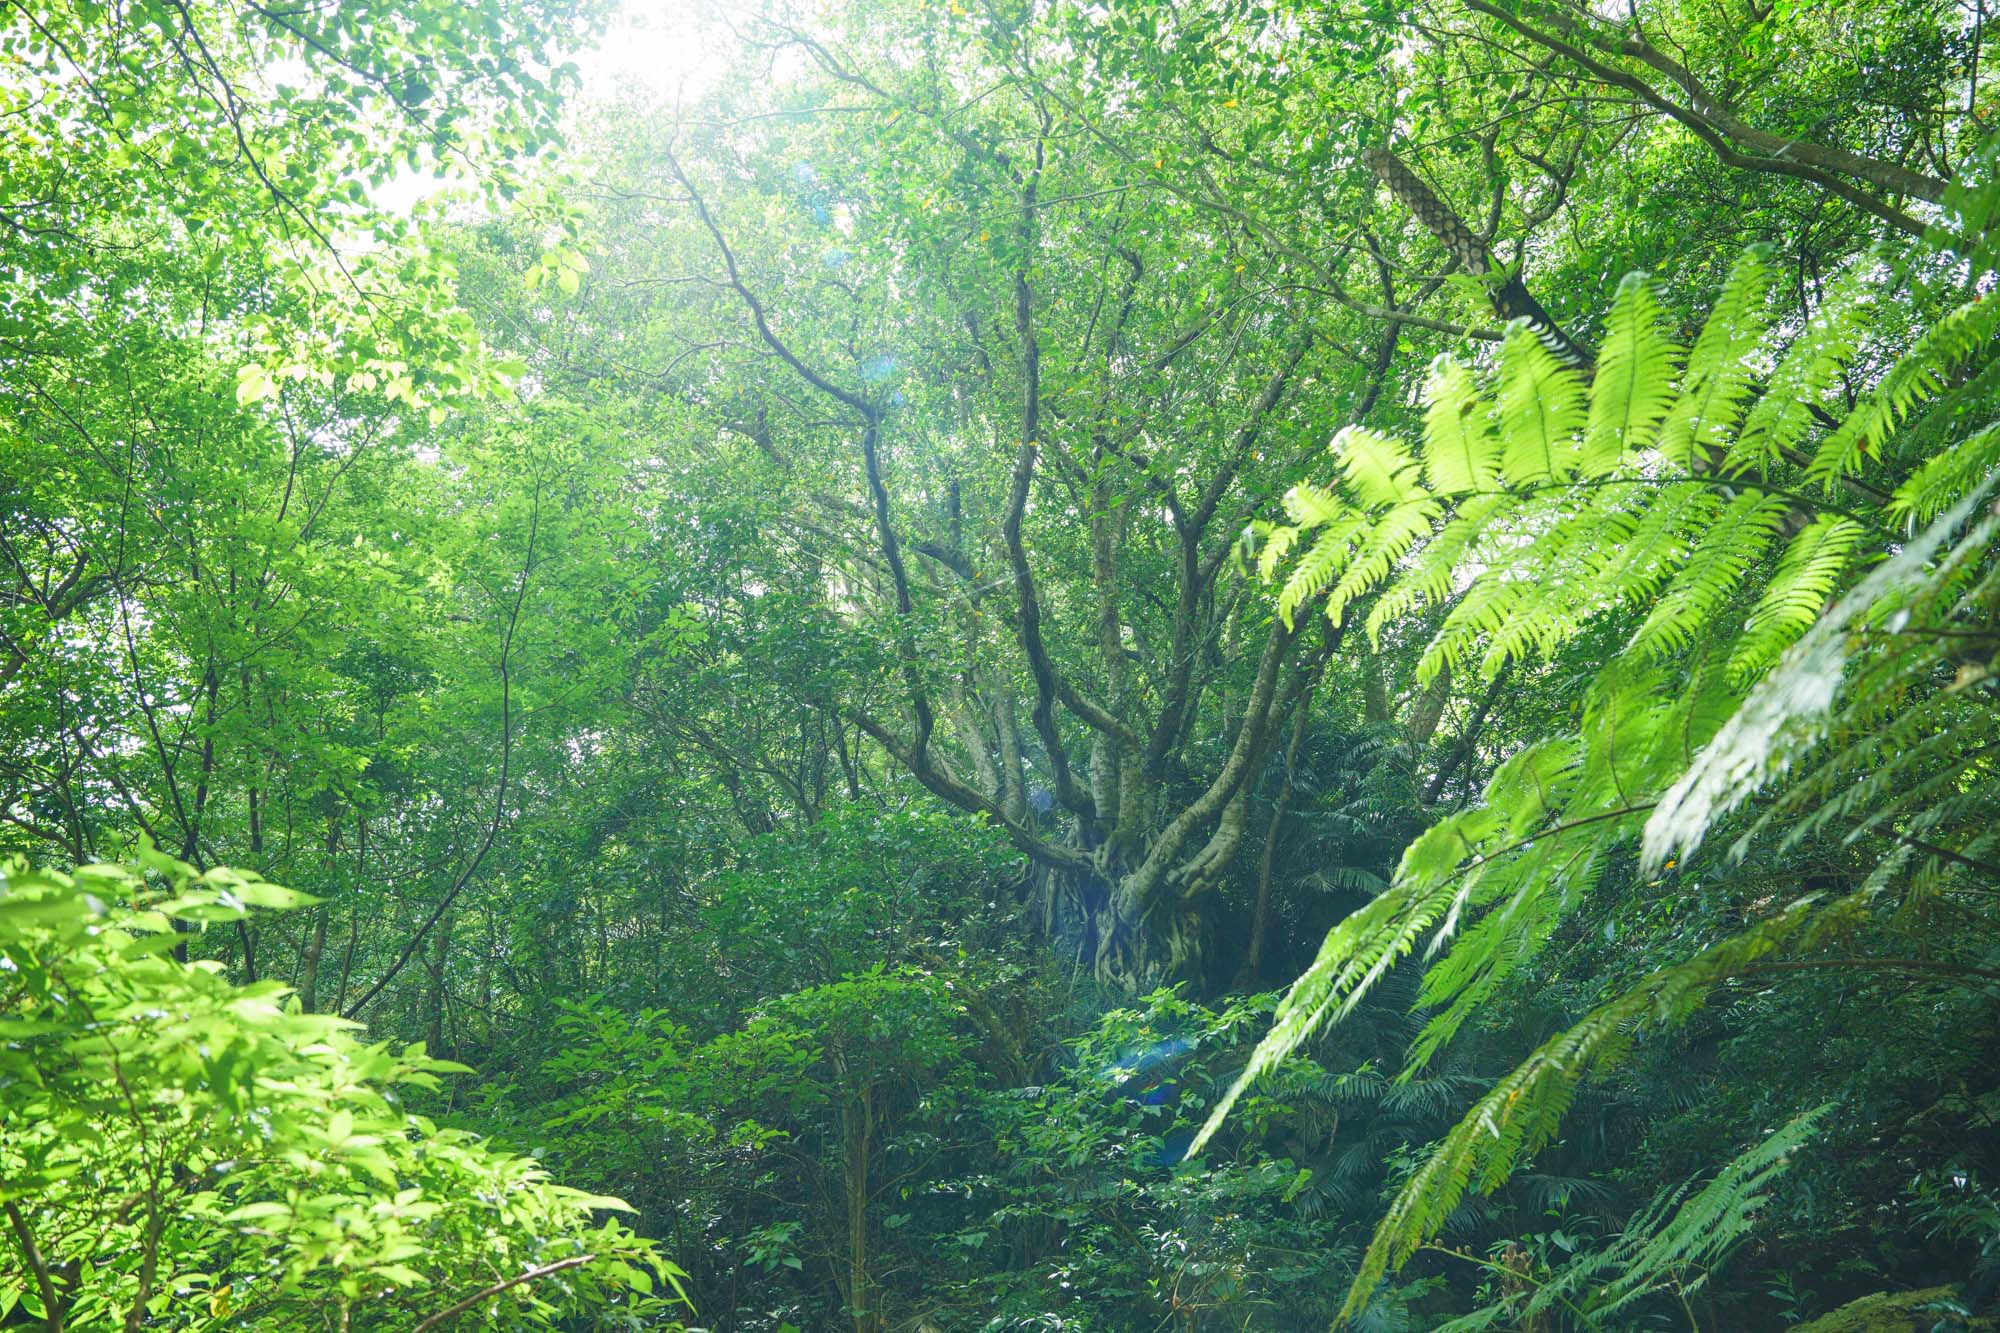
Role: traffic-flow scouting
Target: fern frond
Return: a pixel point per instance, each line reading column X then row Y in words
column 1541, row 405
column 1542, row 880
column 1279, row 538
column 1320, row 565
column 1797, row 388
column 1720, row 370
column 1634, row 387
column 1379, row 470
column 1708, row 1225
column 1539, row 585
column 1657, row 543
column 1784, row 713
column 1461, row 451
column 1356, row 953
column 1946, row 476
column 1312, row 506
column 1798, row 591
column 1376, row 555
column 1918, row 375
column 1436, row 572
column 1713, row 572
column 1631, row 731
column 1519, row 1116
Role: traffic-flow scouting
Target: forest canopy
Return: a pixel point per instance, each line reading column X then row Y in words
column 930, row 665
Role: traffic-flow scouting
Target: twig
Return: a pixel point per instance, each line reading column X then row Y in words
column 574, row 1261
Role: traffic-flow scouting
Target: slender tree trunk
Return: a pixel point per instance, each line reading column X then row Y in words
column 1260, row 911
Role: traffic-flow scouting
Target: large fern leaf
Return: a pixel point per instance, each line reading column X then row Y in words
column 1634, row 387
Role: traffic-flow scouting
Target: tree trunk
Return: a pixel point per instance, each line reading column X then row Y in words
column 1078, row 914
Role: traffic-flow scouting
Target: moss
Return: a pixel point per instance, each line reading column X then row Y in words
column 1891, row 1312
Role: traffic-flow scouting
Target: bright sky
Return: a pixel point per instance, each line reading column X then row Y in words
column 651, row 46
column 656, row 44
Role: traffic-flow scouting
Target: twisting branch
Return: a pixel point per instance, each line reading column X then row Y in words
column 915, row 753
column 1195, row 574
column 1143, row 884
column 1028, row 610
column 1774, row 155
column 471, row 867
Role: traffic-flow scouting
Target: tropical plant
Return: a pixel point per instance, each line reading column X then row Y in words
column 1713, row 503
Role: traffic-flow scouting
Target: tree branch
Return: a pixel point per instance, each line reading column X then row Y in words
column 574, row 1261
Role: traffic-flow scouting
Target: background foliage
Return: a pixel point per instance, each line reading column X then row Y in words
column 1087, row 667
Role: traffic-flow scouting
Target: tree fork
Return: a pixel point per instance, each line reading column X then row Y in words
column 1510, row 297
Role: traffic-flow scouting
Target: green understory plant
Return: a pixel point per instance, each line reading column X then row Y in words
column 180, row 1151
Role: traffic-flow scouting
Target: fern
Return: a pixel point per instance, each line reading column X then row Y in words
column 1633, row 390
column 1783, row 715
column 1794, row 397
column 1461, row 452
column 1541, row 410
column 1915, row 378
column 1541, row 510
column 1519, row 1116
column 1704, row 1228
column 1946, row 477
column 1437, row 570
column 1320, row 565
column 1797, row 593
column 1719, row 368
column 1379, row 470
column 1676, row 1241
column 1713, row 572
column 1387, row 542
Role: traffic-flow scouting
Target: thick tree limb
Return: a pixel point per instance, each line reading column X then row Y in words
column 1510, row 298
column 1790, row 163
column 942, row 784
column 1138, row 889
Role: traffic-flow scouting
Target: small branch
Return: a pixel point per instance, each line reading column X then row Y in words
column 574, row 1261
column 51, row 1308
column 464, row 876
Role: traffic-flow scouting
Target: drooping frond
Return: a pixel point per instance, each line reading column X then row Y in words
column 1784, row 713
column 1277, row 540
column 1519, row 1116
column 1704, row 1228
column 1714, row 570
column 1795, row 395
column 1860, row 701
column 1720, row 366
column 1320, row 565
column 1675, row 1242
column 1806, row 576
column 1915, row 378
column 1945, row 477
column 1387, row 542
column 1461, row 451
column 1435, row 573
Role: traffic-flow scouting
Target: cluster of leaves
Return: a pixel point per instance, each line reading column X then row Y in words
column 177, row 1150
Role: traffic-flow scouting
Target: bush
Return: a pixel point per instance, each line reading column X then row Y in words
column 178, row 1151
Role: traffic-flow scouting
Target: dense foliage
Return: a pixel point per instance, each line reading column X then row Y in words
column 1257, row 664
